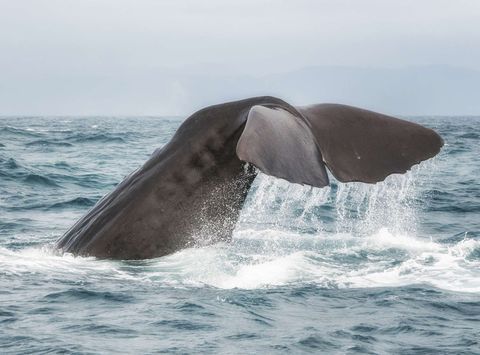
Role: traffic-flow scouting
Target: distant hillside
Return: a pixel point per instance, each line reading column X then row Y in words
column 425, row 90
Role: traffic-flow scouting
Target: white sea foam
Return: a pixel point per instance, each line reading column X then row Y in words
column 235, row 265
column 282, row 239
column 49, row 261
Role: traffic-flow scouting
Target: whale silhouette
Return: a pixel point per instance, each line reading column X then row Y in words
column 196, row 184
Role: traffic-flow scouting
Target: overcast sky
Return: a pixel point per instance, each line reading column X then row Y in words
column 71, row 57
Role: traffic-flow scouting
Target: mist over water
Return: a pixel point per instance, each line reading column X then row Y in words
column 391, row 267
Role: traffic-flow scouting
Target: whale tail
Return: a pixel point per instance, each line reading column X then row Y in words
column 197, row 183
column 355, row 144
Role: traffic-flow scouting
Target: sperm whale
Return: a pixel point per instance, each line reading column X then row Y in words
column 197, row 183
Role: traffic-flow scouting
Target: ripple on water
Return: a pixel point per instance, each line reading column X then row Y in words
column 36, row 179
column 46, row 143
column 87, row 295
column 73, row 203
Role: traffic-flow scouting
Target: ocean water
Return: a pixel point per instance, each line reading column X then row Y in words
column 353, row 268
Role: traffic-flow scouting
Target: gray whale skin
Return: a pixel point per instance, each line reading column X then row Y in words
column 190, row 192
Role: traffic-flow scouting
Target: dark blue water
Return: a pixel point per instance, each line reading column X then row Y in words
column 386, row 268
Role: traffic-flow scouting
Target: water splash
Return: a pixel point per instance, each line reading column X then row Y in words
column 346, row 235
column 356, row 208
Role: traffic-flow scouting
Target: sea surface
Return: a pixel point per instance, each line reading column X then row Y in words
column 353, row 268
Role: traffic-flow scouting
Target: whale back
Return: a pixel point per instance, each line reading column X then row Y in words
column 190, row 192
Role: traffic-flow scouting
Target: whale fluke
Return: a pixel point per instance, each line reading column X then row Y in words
column 355, row 144
column 366, row 146
column 281, row 144
column 190, row 192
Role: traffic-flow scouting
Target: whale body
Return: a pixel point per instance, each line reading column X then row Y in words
column 196, row 185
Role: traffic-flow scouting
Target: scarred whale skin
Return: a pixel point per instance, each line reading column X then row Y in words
column 190, row 192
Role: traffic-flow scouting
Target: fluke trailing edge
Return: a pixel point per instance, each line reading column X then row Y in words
column 197, row 183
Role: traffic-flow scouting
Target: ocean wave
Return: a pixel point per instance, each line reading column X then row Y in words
column 95, row 137
column 62, row 164
column 12, row 170
column 37, row 179
column 46, row 142
column 87, row 295
column 9, row 163
column 470, row 135
column 19, row 132
column 76, row 202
